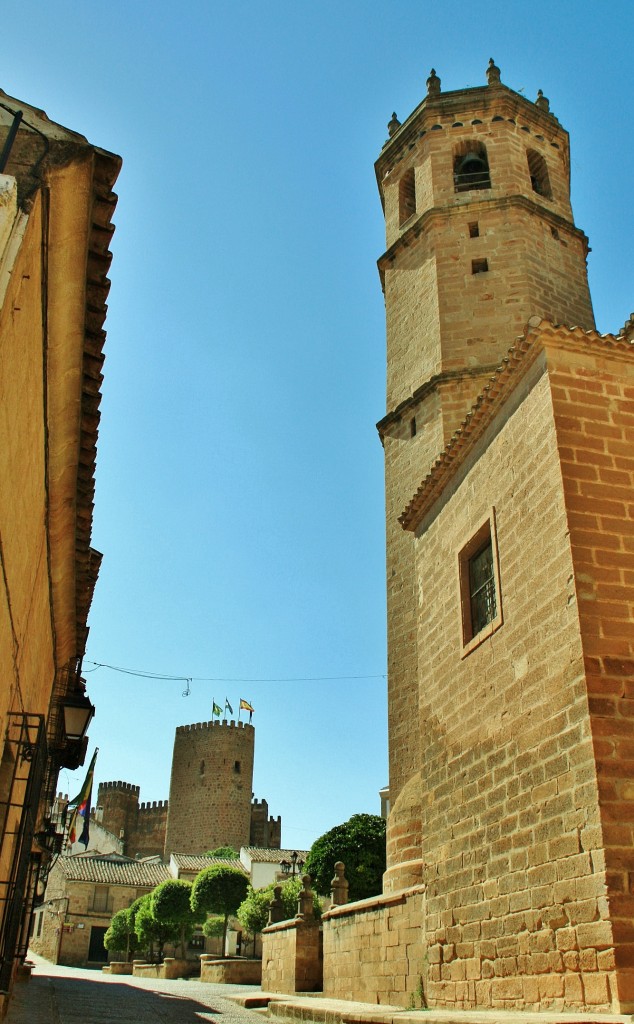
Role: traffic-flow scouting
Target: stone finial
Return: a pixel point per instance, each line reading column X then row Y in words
column 339, row 886
column 542, row 102
column 393, row 125
column 493, row 72
column 627, row 331
column 276, row 907
column 433, row 84
column 305, row 907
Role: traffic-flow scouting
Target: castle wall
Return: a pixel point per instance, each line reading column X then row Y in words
column 210, row 787
column 266, row 831
column 118, row 807
column 147, row 839
column 141, row 827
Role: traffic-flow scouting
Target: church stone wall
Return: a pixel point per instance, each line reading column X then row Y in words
column 593, row 395
column 516, row 910
column 374, row 950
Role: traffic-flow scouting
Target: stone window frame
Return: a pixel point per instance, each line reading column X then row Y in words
column 487, row 531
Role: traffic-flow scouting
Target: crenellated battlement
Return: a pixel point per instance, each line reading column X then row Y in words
column 215, row 724
column 122, row 787
column 153, row 805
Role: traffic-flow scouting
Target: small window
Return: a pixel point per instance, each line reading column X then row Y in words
column 538, row 171
column 201, row 770
column 474, row 230
column 479, row 266
column 237, row 767
column 406, row 196
column 100, row 899
column 471, row 167
column 481, row 611
column 412, row 427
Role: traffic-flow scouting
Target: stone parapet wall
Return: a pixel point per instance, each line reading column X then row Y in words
column 170, row 969
column 292, row 956
column 230, row 972
column 374, row 950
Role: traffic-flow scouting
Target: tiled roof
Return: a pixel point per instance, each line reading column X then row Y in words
column 501, row 386
column 113, row 869
column 260, row 855
column 198, row 862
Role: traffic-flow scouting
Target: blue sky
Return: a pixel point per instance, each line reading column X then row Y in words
column 240, row 483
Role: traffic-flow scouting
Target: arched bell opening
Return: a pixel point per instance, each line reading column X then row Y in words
column 471, row 167
column 538, row 171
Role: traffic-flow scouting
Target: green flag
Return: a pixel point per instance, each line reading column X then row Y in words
column 215, row 710
column 79, row 831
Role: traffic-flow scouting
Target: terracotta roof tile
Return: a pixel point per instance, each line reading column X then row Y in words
column 113, row 869
column 262, row 856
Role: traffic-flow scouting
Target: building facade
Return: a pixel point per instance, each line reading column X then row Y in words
column 509, row 489
column 56, row 207
column 83, row 893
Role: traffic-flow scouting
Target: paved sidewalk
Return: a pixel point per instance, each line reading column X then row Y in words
column 71, row 995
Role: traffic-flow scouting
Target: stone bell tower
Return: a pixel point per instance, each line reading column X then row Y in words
column 475, row 187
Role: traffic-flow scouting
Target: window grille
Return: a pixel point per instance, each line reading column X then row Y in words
column 482, row 588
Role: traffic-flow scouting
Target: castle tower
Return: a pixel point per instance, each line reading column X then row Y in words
column 210, row 787
column 118, row 808
column 475, row 187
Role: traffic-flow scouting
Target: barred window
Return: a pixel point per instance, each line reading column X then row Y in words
column 482, row 587
column 480, row 599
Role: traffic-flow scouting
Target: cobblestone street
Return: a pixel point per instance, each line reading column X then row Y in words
column 68, row 995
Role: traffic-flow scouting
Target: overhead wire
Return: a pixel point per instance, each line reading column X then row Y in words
column 144, row 674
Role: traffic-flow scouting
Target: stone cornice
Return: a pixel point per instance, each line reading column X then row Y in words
column 421, row 224
column 431, row 385
column 539, row 336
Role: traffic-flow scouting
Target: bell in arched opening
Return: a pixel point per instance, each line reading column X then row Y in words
column 471, row 169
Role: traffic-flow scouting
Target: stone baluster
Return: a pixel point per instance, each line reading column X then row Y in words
column 339, row 886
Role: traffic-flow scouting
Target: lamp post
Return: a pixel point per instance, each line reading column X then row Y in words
column 294, row 866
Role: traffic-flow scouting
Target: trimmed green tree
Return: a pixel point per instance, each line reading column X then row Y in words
column 151, row 932
column 171, row 905
column 253, row 912
column 121, row 936
column 219, row 890
column 360, row 844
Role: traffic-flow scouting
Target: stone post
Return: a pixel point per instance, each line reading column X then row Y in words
column 339, row 886
column 276, row 907
column 305, row 908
